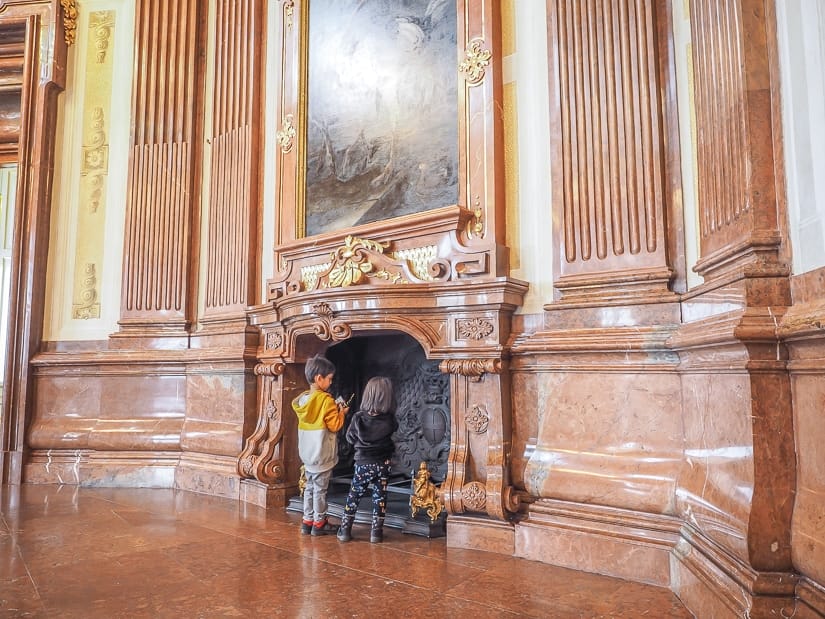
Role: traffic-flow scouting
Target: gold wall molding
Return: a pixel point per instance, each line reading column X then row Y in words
column 88, row 306
column 101, row 24
column 95, row 162
column 94, row 165
column 286, row 135
column 475, row 59
column 289, row 9
column 69, row 20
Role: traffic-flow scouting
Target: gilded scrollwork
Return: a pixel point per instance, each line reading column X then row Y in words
column 352, row 262
column 475, row 59
column 309, row 275
column 69, row 20
column 477, row 419
column 286, row 135
column 329, row 327
column 473, row 328
column 474, row 496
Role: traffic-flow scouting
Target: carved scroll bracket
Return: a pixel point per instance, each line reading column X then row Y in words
column 473, row 368
column 329, row 327
column 269, row 369
column 256, row 460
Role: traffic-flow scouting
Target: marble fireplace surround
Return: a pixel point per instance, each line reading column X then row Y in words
column 460, row 320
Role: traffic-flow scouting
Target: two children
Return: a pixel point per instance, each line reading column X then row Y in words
column 370, row 433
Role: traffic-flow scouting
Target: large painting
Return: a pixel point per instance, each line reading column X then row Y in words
column 382, row 131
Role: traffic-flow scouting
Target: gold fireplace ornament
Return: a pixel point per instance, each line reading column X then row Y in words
column 302, row 481
column 425, row 494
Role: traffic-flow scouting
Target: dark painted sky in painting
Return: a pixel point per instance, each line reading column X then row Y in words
column 383, row 124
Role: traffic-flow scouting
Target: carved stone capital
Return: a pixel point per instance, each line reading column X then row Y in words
column 269, row 369
column 474, row 368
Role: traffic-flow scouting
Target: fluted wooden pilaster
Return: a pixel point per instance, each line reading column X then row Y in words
column 612, row 176
column 159, row 253
column 233, row 196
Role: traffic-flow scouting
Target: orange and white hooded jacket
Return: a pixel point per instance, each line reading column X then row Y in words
column 318, row 420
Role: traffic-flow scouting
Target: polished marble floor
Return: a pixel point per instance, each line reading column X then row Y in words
column 83, row 552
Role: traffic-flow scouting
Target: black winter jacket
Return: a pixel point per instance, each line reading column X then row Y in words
column 371, row 436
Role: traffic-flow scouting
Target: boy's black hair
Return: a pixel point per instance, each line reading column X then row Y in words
column 377, row 396
column 318, row 365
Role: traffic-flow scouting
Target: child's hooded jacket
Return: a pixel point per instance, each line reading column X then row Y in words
column 318, row 420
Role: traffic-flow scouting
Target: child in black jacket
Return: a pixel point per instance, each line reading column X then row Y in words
column 370, row 433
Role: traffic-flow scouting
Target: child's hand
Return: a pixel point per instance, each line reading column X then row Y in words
column 343, row 409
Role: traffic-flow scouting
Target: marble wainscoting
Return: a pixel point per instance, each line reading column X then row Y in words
column 803, row 331
column 162, row 419
column 735, row 494
column 598, row 447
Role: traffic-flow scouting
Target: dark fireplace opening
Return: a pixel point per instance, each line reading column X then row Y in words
column 422, row 398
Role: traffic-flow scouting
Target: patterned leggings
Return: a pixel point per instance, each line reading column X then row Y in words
column 377, row 474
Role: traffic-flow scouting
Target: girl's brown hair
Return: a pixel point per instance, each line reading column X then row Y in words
column 377, row 396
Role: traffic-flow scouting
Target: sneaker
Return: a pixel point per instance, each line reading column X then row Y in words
column 306, row 528
column 323, row 528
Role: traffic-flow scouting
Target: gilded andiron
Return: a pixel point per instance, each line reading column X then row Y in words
column 302, row 481
column 425, row 494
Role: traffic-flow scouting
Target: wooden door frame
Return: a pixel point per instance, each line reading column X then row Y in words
column 49, row 26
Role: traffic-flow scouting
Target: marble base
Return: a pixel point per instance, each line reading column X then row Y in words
column 713, row 583
column 254, row 492
column 810, row 599
column 601, row 540
column 102, row 469
column 478, row 533
column 208, row 474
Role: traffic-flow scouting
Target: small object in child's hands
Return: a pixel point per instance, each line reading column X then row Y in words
column 344, row 403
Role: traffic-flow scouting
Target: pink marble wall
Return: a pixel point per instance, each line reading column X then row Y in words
column 147, row 424
column 716, row 485
column 606, row 438
column 804, row 327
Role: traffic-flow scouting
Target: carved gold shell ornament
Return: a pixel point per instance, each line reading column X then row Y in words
column 352, row 261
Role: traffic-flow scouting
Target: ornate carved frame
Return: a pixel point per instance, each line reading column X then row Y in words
column 47, row 27
column 439, row 276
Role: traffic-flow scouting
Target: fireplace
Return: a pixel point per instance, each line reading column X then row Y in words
column 422, row 395
column 443, row 340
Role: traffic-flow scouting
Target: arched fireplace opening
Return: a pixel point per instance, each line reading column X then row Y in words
column 422, row 397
